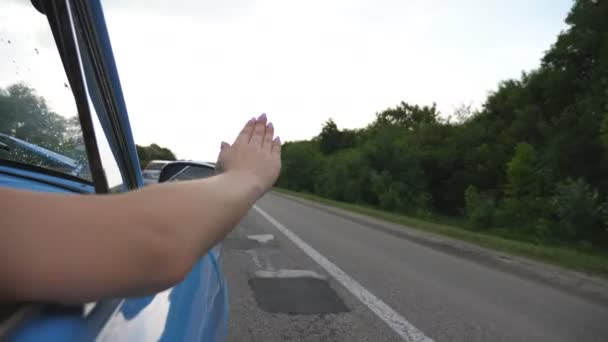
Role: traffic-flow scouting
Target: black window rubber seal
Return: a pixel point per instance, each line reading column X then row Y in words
column 61, row 26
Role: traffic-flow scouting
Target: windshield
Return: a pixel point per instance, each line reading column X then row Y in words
column 38, row 118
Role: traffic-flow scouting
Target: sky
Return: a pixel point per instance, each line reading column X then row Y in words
column 193, row 71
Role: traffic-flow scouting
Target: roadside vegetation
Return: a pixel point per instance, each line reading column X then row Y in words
column 153, row 152
column 529, row 167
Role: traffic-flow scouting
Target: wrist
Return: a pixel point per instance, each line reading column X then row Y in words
column 247, row 181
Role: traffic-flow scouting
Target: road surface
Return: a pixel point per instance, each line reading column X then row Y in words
column 298, row 273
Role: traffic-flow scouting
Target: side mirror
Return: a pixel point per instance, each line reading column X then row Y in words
column 185, row 170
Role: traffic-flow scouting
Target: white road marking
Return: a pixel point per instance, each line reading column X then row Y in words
column 261, row 238
column 254, row 258
column 289, row 274
column 393, row 319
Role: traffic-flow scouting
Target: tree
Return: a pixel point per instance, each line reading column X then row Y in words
column 522, row 173
column 331, row 139
column 407, row 115
column 26, row 116
column 153, row 152
column 302, row 162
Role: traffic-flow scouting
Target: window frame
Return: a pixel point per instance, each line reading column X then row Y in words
column 82, row 40
column 101, row 75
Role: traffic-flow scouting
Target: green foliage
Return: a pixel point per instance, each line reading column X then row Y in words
column 153, row 152
column 604, row 132
column 408, row 116
column 301, row 167
column 479, row 208
column 331, row 139
column 505, row 167
column 522, row 174
column 578, row 210
column 343, row 176
column 26, row 116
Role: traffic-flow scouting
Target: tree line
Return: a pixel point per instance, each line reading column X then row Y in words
column 531, row 164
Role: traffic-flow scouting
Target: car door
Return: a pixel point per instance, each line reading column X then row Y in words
column 194, row 309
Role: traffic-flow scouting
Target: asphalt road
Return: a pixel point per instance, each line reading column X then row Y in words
column 298, row 273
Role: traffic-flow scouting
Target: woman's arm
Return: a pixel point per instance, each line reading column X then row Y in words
column 74, row 248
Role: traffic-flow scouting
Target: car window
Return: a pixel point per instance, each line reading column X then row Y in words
column 38, row 118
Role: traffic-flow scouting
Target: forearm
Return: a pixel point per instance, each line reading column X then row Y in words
column 79, row 248
column 196, row 215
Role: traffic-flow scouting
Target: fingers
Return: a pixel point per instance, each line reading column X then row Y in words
column 267, row 141
column 245, row 135
column 259, row 131
column 219, row 165
column 256, row 132
column 276, row 145
column 223, row 149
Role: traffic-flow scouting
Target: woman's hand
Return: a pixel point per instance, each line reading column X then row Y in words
column 254, row 157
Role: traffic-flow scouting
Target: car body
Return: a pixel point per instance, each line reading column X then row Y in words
column 193, row 310
column 152, row 171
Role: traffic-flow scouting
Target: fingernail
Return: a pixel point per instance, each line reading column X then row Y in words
column 224, row 144
column 279, row 140
column 263, row 116
column 270, row 125
column 252, row 120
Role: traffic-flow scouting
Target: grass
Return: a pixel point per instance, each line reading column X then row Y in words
column 588, row 262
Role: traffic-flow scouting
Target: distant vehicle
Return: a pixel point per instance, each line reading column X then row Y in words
column 152, row 171
column 193, row 310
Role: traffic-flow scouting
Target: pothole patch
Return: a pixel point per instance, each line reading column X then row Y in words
column 295, row 292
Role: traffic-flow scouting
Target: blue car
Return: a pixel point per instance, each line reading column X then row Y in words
column 94, row 152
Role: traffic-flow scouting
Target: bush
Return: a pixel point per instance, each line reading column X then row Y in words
column 479, row 208
column 578, row 210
